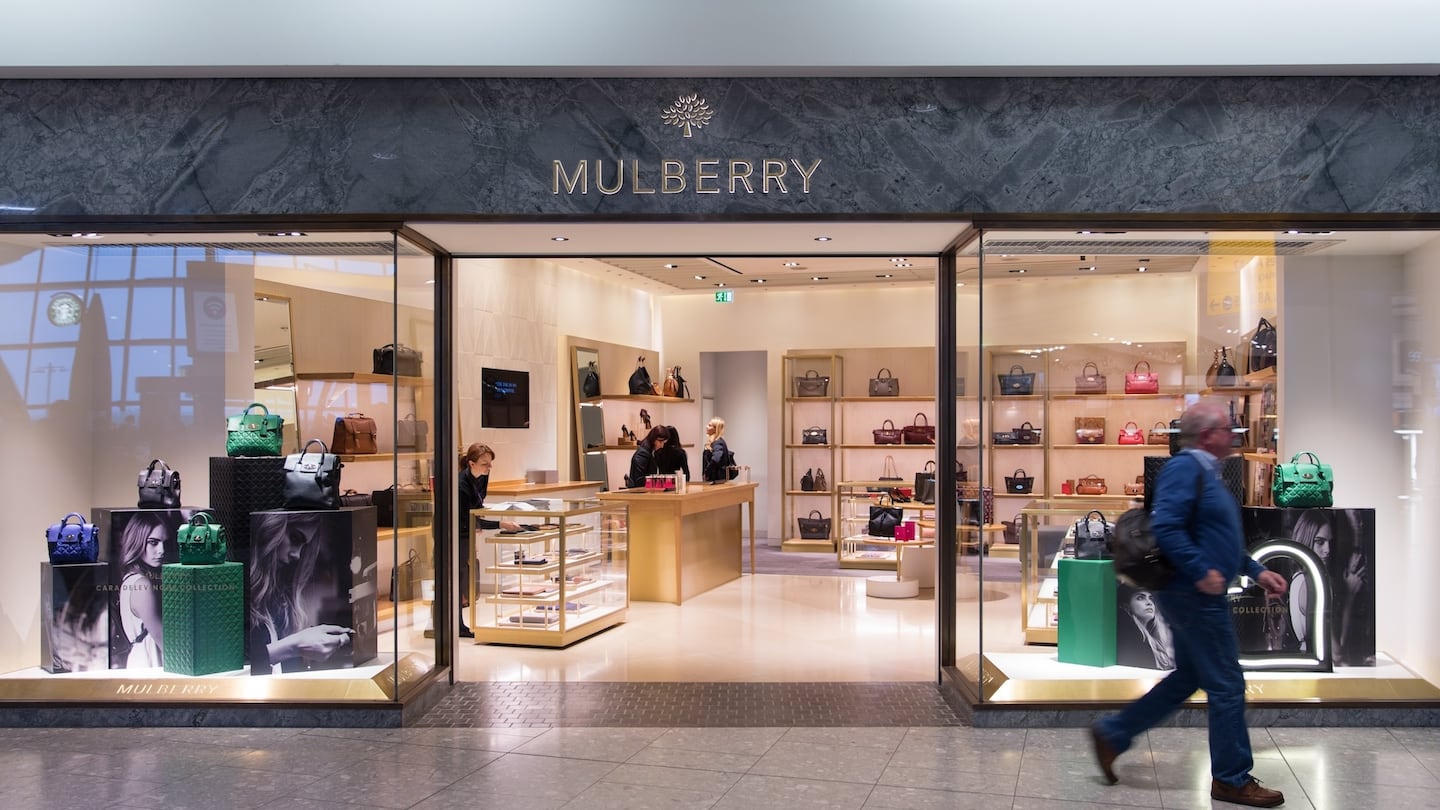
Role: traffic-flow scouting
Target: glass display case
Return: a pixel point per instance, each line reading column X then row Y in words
column 1046, row 535
column 561, row 578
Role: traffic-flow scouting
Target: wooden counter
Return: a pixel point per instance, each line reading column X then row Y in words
column 519, row 490
column 684, row 545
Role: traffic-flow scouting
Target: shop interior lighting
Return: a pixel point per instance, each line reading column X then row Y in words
column 283, row 233
column 883, row 275
column 792, row 264
column 819, row 278
column 699, row 278
column 559, row 239
column 822, row 239
column 671, row 266
column 757, row 281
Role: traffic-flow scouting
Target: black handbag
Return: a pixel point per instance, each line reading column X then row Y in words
column 352, row 498
column 312, row 480
column 1262, row 347
column 1004, row 437
column 814, row 435
column 807, row 481
column 814, row 527
column 1026, row 434
column 925, row 484
column 640, row 383
column 590, row 384
column 412, row 435
column 813, row 384
column 396, row 359
column 159, row 486
column 1019, row 483
column 884, row 385
column 1092, row 537
column 1091, row 382
column 1017, row 383
column 884, row 517
column 402, row 579
column 384, row 502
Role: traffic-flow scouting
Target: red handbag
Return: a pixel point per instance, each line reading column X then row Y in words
column 1142, row 382
column 1131, row 434
column 919, row 432
column 887, row 433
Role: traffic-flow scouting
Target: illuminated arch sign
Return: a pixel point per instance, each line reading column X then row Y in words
column 1289, row 633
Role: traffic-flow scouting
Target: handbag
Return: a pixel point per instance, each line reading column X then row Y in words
column 354, row 434
column 1262, row 349
column 159, row 486
column 821, row 485
column 813, row 384
column 888, row 472
column 1130, row 435
column 671, row 387
column 412, row 434
column 1298, row 483
column 919, row 431
column 640, row 384
column 1160, row 434
column 884, row 385
column 1026, row 434
column 884, row 517
column 1089, row 430
column 202, row 542
column 925, row 483
column 1091, row 382
column 1092, row 537
column 1017, row 382
column 352, row 498
column 814, row 435
column 887, row 435
column 590, row 383
column 312, row 480
column 1004, row 437
column 396, row 359
column 1137, row 488
column 1090, row 485
column 402, row 579
column 1142, row 382
column 384, row 501
column 253, row 434
column 1225, row 374
column 807, row 481
column 72, row 542
column 1019, row 483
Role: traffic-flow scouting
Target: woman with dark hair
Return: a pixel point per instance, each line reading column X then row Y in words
column 475, row 465
column 672, row 458
column 1333, row 536
column 645, row 462
column 142, row 551
column 1142, row 637
column 283, row 633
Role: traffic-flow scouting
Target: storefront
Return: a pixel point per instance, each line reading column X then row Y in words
column 192, row 273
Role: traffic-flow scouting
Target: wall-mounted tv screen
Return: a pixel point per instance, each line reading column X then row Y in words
column 506, row 402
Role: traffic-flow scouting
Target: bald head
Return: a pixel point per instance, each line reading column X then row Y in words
column 1203, row 416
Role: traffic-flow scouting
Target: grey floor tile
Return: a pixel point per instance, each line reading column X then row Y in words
column 843, row 763
column 607, row 744
column 316, row 756
column 1371, row 767
column 380, row 783
column 959, row 751
column 237, row 737
column 452, row 763
column 460, row 798
column 994, row 782
column 1423, row 736
column 36, row 762
column 884, row 739
column 1262, row 745
column 621, row 796
column 391, row 735
column 1072, row 780
column 221, row 788
column 1199, row 799
column 1368, row 739
column 755, row 741
column 1350, row 795
column 61, row 789
column 487, row 739
column 885, row 797
column 297, row 803
column 755, row 792
column 713, row 782
column 1034, row 803
column 535, row 777
column 697, row 760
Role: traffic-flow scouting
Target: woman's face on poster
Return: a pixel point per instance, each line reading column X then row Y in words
column 1142, row 605
column 292, row 544
column 1321, row 542
column 153, row 554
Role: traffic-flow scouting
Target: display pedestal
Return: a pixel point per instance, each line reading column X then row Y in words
column 239, row 486
column 323, row 559
column 203, row 610
column 74, row 617
column 117, row 528
column 1086, row 607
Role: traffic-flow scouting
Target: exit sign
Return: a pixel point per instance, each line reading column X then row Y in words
column 724, row 296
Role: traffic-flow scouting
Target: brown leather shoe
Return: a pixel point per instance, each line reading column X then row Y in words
column 1251, row 794
column 1105, row 755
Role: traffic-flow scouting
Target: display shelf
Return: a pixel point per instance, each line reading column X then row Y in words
column 809, row 446
column 797, row 414
column 363, row 377
column 1106, row 497
column 349, row 457
column 800, row 492
column 887, row 399
column 887, row 447
column 1139, row 397
column 1112, row 446
column 659, row 400
column 534, row 612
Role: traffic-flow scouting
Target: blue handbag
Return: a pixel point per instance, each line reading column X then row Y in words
column 72, row 542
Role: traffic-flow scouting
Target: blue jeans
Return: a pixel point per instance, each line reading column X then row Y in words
column 1206, row 657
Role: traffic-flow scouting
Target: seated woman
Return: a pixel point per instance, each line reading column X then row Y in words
column 672, row 458
column 645, row 462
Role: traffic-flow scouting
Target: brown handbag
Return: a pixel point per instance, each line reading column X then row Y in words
column 1090, row 485
column 1160, row 434
column 887, row 433
column 1089, row 430
column 671, row 388
column 920, row 431
column 354, row 435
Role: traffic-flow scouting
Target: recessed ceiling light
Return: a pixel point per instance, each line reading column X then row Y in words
column 1019, row 270
column 819, row 278
column 961, row 284
column 757, row 281
column 822, row 239
column 1140, row 269
column 559, row 239
column 883, row 275
column 719, row 284
column 699, row 278
column 792, row 264
column 1142, row 261
column 430, row 281
column 897, row 261
column 1089, row 269
column 671, row 266
column 283, row 233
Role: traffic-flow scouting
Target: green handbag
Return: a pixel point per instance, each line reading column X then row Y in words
column 253, row 434
column 1303, row 484
column 202, row 542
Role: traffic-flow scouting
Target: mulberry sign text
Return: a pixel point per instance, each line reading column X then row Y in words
column 702, row 176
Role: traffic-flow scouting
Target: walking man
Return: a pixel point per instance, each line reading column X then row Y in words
column 1205, row 543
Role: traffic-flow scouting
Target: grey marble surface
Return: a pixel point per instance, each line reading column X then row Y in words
column 1128, row 145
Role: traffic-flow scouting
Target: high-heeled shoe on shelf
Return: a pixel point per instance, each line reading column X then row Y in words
column 645, row 417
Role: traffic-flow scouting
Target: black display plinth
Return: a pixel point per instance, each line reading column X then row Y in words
column 135, row 544
column 74, row 617
column 312, row 581
column 1328, row 558
column 239, row 486
column 1232, row 470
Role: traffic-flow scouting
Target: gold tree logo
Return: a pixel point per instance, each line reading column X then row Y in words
column 688, row 112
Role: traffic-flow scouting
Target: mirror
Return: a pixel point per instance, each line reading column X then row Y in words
column 275, row 364
column 589, row 416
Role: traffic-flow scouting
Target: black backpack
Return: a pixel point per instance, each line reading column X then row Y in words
column 1138, row 559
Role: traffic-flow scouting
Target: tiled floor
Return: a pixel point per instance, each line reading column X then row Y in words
column 636, row 768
